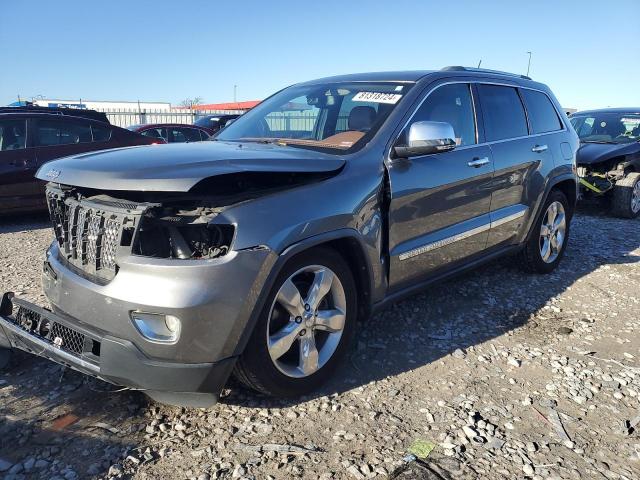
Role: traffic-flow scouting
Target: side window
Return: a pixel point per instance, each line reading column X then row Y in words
column 55, row 132
column 502, row 112
column 13, row 134
column 176, row 135
column 190, row 134
column 451, row 104
column 542, row 115
column 100, row 134
column 156, row 133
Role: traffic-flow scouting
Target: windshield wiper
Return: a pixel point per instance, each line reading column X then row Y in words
column 599, row 141
column 266, row 141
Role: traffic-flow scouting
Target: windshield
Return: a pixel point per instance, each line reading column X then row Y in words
column 607, row 127
column 331, row 117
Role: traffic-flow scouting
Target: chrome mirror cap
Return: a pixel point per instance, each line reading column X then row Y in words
column 427, row 137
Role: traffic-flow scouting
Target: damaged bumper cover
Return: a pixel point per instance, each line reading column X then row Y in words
column 39, row 331
column 90, row 327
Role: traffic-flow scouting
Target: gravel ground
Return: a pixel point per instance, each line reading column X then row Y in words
column 496, row 374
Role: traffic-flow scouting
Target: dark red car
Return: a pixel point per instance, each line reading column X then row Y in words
column 172, row 132
column 29, row 138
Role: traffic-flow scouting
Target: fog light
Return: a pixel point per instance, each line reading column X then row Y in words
column 172, row 323
column 157, row 327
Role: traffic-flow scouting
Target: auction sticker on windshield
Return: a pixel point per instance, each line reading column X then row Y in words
column 376, row 97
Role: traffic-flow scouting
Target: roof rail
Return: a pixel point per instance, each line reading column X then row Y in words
column 458, row 68
column 74, row 112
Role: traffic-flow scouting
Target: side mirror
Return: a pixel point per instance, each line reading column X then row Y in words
column 427, row 137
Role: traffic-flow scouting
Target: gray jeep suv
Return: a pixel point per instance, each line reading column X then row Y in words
column 256, row 253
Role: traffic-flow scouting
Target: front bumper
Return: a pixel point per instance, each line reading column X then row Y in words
column 90, row 327
column 213, row 300
column 93, row 352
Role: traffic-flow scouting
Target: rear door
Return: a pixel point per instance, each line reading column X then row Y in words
column 440, row 203
column 518, row 163
column 19, row 190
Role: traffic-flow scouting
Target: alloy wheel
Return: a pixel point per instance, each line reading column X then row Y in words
column 306, row 321
column 553, row 232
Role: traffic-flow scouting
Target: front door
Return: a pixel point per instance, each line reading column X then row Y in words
column 440, row 203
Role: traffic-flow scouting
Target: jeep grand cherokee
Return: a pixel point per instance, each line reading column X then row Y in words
column 256, row 253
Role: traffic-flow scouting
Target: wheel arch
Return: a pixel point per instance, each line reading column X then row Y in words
column 567, row 184
column 348, row 243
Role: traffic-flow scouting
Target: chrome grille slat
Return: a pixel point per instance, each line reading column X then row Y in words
column 110, row 239
column 89, row 233
column 80, row 234
column 93, row 238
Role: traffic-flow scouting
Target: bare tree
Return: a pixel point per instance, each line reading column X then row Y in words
column 191, row 102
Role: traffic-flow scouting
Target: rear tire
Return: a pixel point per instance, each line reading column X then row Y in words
column 300, row 338
column 549, row 235
column 626, row 196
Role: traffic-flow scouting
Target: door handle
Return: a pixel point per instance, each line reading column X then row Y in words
column 478, row 162
column 539, row 148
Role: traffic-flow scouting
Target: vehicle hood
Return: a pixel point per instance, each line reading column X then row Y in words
column 592, row 153
column 178, row 167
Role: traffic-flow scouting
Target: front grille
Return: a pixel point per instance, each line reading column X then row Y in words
column 27, row 319
column 90, row 233
column 63, row 337
column 67, row 338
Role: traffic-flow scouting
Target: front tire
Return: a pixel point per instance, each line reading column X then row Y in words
column 305, row 327
column 626, row 196
column 549, row 236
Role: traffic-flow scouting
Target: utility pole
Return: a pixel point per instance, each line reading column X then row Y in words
column 235, row 91
column 529, row 64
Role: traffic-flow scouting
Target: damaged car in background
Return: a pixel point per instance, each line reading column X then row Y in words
column 608, row 159
column 257, row 253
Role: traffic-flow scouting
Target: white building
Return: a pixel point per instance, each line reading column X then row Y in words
column 101, row 105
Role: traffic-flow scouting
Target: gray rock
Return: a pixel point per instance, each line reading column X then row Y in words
column 115, row 470
column 5, row 465
column 459, row 353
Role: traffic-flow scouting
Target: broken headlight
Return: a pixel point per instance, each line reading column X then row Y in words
column 182, row 235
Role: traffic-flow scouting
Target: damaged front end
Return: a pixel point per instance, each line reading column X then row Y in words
column 95, row 228
column 598, row 179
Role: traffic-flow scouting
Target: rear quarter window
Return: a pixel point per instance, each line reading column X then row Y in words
column 100, row 134
column 542, row 114
column 503, row 112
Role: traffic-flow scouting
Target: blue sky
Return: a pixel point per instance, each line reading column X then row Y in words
column 587, row 51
